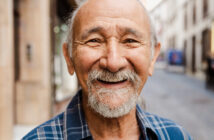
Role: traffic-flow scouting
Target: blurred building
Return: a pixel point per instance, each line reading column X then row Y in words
column 186, row 25
column 33, row 74
column 28, row 53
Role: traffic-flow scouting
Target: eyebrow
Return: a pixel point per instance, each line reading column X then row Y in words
column 90, row 31
column 132, row 31
column 123, row 30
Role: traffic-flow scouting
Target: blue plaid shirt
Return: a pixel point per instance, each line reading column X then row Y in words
column 71, row 125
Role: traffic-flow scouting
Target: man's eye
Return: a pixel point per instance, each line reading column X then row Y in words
column 94, row 41
column 129, row 40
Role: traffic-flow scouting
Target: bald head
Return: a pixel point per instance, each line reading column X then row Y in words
column 110, row 37
column 129, row 10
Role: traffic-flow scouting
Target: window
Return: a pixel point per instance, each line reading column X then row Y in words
column 194, row 14
column 172, row 42
column 205, row 8
column 185, row 20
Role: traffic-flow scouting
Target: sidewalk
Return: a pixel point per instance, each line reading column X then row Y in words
column 20, row 130
column 182, row 98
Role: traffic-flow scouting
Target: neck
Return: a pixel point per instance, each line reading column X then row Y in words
column 125, row 127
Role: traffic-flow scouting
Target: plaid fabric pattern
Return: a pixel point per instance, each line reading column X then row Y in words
column 71, row 125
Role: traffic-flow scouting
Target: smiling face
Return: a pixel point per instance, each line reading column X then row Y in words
column 112, row 54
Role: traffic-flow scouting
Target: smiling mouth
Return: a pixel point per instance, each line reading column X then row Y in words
column 112, row 81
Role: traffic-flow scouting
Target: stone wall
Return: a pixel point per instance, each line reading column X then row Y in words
column 6, row 69
column 33, row 86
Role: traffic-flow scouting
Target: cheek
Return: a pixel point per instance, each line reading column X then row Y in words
column 140, row 59
column 85, row 58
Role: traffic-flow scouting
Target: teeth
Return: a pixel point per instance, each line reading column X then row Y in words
column 112, row 80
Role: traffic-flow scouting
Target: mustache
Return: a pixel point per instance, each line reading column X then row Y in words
column 106, row 75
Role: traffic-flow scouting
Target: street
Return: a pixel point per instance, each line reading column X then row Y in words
column 182, row 99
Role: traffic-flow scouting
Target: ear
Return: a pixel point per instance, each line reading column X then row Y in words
column 155, row 56
column 68, row 59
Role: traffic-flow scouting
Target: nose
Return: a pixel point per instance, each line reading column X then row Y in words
column 114, row 59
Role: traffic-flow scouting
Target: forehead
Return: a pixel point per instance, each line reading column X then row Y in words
column 124, row 13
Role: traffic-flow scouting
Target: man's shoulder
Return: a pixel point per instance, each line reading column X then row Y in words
column 163, row 127
column 52, row 129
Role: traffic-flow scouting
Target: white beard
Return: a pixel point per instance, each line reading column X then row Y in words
column 97, row 94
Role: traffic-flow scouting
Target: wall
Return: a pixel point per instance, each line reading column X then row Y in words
column 33, row 86
column 172, row 24
column 6, row 69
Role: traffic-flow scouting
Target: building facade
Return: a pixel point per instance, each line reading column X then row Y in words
column 25, row 63
column 28, row 44
column 186, row 25
column 6, row 69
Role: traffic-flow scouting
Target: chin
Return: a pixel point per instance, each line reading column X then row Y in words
column 113, row 95
column 112, row 103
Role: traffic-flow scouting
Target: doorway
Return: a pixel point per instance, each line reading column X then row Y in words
column 206, row 44
column 193, row 54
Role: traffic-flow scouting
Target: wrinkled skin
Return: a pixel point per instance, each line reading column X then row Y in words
column 111, row 39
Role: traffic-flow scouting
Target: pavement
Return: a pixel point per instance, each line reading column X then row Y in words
column 21, row 130
column 183, row 99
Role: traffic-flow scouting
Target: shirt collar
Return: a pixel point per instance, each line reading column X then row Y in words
column 145, row 122
column 76, row 127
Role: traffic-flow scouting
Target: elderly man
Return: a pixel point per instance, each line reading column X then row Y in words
column 112, row 48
